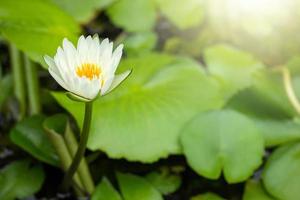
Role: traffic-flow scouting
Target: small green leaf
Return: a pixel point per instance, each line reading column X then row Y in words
column 137, row 16
column 56, row 123
column 105, row 191
column 183, row 15
column 19, row 180
column 164, row 181
column 82, row 10
column 33, row 33
column 281, row 175
column 136, row 188
column 234, row 68
column 219, row 140
column 141, row 119
column 30, row 136
column 207, row 196
column 255, row 191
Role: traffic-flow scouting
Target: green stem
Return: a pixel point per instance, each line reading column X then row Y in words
column 32, row 86
column 83, row 170
column 64, row 155
column 82, row 145
column 18, row 77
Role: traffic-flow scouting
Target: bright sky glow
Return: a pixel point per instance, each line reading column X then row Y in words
column 256, row 16
column 264, row 7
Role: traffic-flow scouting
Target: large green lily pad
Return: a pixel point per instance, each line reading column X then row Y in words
column 223, row 140
column 278, row 132
column 255, row 190
column 35, row 26
column 281, row 175
column 266, row 98
column 141, row 120
column 234, row 68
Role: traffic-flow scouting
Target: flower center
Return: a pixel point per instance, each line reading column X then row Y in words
column 88, row 70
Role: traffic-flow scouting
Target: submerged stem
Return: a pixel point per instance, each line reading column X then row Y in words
column 82, row 145
column 32, row 86
column 18, row 78
column 290, row 90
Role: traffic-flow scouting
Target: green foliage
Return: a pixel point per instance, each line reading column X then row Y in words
column 232, row 67
column 140, row 43
column 207, row 196
column 30, row 136
column 218, row 117
column 133, row 16
column 187, row 14
column 266, row 98
column 19, row 180
column 136, row 188
column 64, row 141
column 254, row 190
column 160, row 96
column 164, row 181
column 36, row 33
column 277, row 132
column 82, row 10
column 281, row 175
column 267, row 104
column 220, row 140
column 268, row 85
column 105, row 191
column 6, row 87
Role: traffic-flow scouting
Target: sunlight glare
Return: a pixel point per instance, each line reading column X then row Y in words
column 256, row 16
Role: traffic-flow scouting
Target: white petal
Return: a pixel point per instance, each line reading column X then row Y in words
column 116, row 58
column 88, row 88
column 89, row 50
column 82, row 49
column 71, row 54
column 58, row 79
column 94, row 50
column 118, row 79
column 50, row 62
column 62, row 65
column 105, row 59
column 52, row 66
column 107, row 83
column 104, row 44
column 96, row 39
column 80, row 42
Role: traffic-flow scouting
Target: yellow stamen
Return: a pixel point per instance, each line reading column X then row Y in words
column 88, row 70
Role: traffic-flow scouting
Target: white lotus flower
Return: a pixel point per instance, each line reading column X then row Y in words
column 88, row 70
